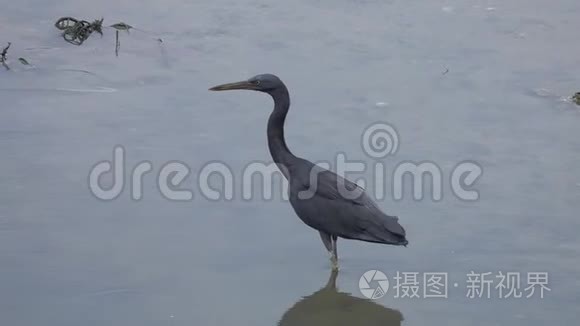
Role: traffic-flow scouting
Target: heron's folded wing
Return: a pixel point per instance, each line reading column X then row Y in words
column 334, row 187
column 348, row 206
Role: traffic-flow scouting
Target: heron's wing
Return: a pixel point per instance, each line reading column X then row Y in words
column 331, row 186
column 343, row 208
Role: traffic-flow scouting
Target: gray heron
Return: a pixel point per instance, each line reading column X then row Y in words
column 323, row 200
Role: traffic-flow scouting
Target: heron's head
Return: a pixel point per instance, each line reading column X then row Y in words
column 263, row 83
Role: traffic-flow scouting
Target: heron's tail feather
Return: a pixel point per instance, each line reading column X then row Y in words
column 390, row 238
column 386, row 229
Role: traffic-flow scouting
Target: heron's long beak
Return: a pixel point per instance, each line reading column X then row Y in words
column 236, row 85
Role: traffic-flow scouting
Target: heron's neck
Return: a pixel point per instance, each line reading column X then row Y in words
column 276, row 142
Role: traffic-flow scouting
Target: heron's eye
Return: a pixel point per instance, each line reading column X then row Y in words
column 256, row 82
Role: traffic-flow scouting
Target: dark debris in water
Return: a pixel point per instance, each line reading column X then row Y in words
column 24, row 61
column 77, row 31
column 117, row 43
column 3, row 56
column 4, row 52
column 121, row 26
column 576, row 98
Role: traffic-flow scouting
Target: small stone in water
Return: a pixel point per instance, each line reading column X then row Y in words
column 576, row 98
column 381, row 104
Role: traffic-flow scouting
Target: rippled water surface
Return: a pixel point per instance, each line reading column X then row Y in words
column 484, row 81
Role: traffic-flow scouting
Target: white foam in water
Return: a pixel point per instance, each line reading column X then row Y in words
column 88, row 90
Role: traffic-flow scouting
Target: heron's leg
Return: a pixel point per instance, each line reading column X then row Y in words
column 334, row 253
column 329, row 244
column 326, row 240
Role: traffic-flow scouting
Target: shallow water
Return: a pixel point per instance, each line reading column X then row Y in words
column 460, row 80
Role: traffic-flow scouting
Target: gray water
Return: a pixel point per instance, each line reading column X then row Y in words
column 461, row 80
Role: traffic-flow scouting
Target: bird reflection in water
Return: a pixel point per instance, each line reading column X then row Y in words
column 328, row 306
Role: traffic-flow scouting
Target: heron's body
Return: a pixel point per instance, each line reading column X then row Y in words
column 323, row 200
